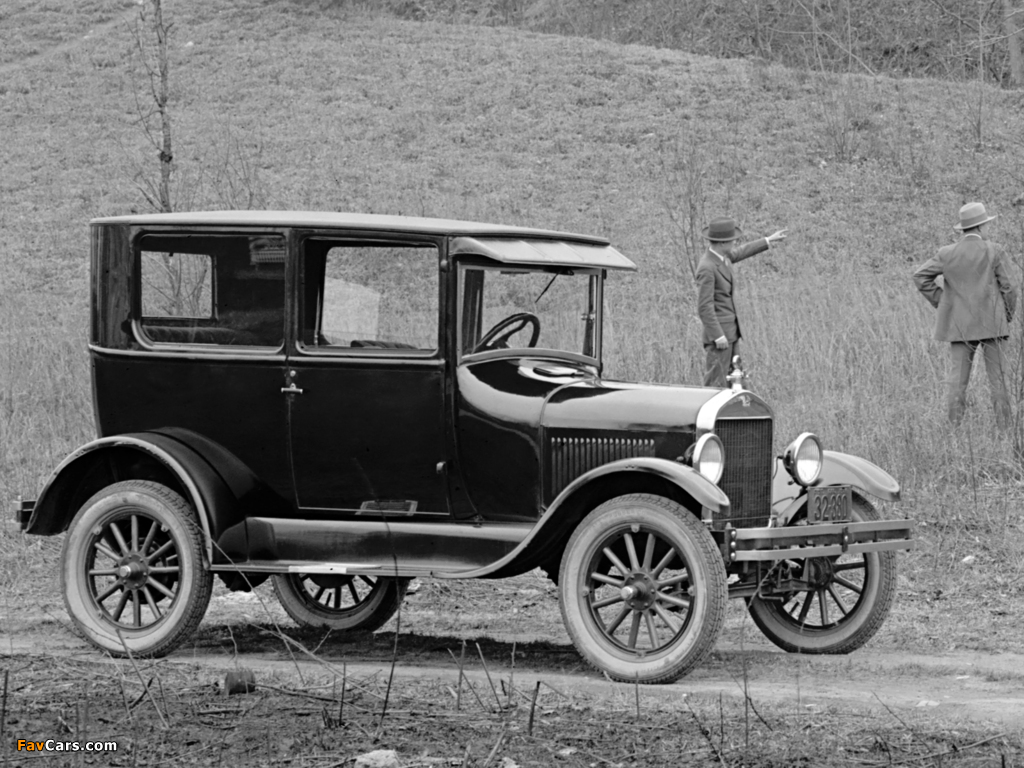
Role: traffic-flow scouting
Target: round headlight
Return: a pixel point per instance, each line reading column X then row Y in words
column 709, row 457
column 802, row 458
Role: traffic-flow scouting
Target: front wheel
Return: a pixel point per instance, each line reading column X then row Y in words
column 342, row 602
column 132, row 570
column 846, row 600
column 643, row 589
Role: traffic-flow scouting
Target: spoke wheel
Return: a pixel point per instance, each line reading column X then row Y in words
column 847, row 600
column 132, row 569
column 643, row 589
column 340, row 601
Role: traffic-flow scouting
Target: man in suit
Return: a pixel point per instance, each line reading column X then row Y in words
column 714, row 294
column 976, row 302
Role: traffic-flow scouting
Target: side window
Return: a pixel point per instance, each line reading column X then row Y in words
column 370, row 297
column 223, row 290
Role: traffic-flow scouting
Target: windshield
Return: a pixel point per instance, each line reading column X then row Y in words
column 550, row 309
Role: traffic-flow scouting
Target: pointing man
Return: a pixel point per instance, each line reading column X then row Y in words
column 714, row 294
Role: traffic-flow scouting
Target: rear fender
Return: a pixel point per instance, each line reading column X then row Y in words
column 617, row 478
column 867, row 479
column 221, row 489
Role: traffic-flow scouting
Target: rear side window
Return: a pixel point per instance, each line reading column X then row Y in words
column 212, row 290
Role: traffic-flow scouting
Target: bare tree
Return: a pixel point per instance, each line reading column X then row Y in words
column 153, row 115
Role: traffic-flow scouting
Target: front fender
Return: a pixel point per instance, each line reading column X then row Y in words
column 219, row 487
column 551, row 526
column 837, row 469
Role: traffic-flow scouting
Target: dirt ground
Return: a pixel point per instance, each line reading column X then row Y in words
column 521, row 616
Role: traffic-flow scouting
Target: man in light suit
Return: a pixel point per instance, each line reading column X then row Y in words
column 714, row 294
column 976, row 302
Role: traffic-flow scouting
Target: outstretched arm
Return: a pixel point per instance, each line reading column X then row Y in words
column 755, row 247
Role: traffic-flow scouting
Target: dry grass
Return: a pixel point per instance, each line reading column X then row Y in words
column 303, row 106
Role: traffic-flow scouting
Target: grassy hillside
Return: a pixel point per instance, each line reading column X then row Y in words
column 293, row 105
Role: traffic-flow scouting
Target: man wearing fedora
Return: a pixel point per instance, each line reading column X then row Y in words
column 975, row 306
column 714, row 294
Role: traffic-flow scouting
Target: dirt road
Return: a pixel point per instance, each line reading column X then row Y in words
column 243, row 630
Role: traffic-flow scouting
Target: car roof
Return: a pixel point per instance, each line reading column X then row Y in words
column 501, row 242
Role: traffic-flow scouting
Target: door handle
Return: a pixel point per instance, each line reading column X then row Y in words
column 291, row 389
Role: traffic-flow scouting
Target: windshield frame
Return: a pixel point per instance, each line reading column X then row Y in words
column 595, row 301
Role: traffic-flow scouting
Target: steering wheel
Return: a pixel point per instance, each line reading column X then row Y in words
column 518, row 321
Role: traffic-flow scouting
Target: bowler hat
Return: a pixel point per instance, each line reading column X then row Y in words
column 722, row 230
column 972, row 215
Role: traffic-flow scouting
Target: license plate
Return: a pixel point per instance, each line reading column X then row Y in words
column 829, row 504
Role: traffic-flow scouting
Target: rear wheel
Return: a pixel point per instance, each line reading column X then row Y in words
column 845, row 603
column 643, row 589
column 132, row 569
column 343, row 602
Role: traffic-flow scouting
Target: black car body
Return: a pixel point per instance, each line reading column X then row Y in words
column 346, row 402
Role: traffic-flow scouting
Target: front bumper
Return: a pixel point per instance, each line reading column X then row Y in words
column 823, row 540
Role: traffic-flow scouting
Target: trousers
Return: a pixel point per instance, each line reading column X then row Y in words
column 718, row 363
column 962, row 358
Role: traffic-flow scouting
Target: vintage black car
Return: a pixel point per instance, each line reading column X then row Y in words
column 346, row 402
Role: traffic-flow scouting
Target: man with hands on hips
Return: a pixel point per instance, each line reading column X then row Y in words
column 715, row 294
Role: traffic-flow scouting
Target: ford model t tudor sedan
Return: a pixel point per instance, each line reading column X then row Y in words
column 342, row 403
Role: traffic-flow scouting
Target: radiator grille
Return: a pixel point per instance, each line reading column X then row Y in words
column 572, row 456
column 747, row 480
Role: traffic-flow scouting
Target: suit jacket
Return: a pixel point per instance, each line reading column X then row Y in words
column 976, row 300
column 714, row 290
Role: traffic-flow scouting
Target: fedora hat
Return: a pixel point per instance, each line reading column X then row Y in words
column 972, row 215
column 722, row 230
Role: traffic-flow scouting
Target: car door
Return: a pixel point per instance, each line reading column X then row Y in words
column 206, row 352
column 365, row 383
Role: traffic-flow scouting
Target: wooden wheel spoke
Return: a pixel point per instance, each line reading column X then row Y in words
column 135, row 533
column 121, row 603
column 604, row 579
column 319, row 593
column 615, row 561
column 838, row 600
column 859, row 589
column 136, row 608
column 679, row 602
column 610, row 629
column 149, row 538
column 666, row 617
column 337, row 598
column 856, row 565
column 108, row 591
column 634, row 561
column 103, row 571
column 822, row 607
column 606, row 602
column 150, row 581
column 106, row 551
column 368, row 581
column 165, row 569
column 352, row 591
column 673, row 580
column 151, row 603
column 663, row 563
column 119, row 538
column 169, row 544
column 634, row 629
column 652, row 631
column 649, row 552
column 805, row 608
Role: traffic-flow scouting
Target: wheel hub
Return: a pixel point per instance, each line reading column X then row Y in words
column 638, row 591
column 819, row 572
column 133, row 571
